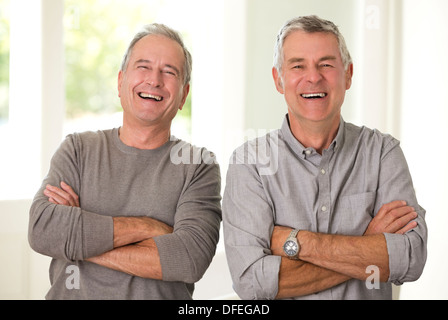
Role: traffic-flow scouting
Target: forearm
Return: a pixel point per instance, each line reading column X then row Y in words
column 129, row 230
column 347, row 255
column 139, row 259
column 135, row 251
column 351, row 255
column 299, row 278
column 329, row 260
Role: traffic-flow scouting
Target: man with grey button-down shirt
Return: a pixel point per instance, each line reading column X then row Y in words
column 321, row 208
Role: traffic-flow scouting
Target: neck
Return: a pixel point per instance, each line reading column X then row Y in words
column 317, row 135
column 145, row 138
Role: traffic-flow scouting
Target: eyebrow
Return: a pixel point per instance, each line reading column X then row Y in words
column 166, row 65
column 325, row 58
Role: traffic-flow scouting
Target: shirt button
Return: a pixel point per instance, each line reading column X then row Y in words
column 323, row 171
column 308, row 152
column 324, row 208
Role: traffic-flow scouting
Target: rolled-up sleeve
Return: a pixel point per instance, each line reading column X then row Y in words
column 64, row 232
column 407, row 253
column 186, row 253
column 248, row 223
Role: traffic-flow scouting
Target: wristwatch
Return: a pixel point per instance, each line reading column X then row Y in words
column 292, row 246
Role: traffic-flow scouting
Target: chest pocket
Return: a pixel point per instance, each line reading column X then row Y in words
column 356, row 212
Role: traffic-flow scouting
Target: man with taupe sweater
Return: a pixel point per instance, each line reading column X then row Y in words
column 145, row 225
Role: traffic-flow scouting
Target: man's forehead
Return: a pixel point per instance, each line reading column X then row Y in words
column 321, row 44
column 157, row 44
column 300, row 37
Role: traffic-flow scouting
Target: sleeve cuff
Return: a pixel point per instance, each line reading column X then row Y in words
column 398, row 257
column 173, row 258
column 98, row 234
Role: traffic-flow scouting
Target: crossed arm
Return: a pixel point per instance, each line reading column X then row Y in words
column 135, row 252
column 328, row 260
column 325, row 260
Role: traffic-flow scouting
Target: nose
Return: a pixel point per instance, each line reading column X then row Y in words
column 313, row 75
column 154, row 79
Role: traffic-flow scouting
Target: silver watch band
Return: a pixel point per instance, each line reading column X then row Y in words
column 293, row 234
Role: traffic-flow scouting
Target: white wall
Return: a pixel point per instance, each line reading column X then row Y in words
column 234, row 96
column 424, row 133
column 264, row 106
column 400, row 87
column 28, row 141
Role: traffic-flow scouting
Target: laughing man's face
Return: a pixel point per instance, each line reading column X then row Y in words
column 313, row 77
column 152, row 89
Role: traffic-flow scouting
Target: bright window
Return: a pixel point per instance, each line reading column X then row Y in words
column 97, row 33
column 4, row 61
column 20, row 98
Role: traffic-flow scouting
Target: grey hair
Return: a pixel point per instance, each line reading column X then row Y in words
column 161, row 30
column 309, row 24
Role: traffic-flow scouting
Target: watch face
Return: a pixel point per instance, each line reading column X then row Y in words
column 290, row 248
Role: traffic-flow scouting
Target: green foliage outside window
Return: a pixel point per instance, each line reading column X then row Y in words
column 4, row 61
column 97, row 33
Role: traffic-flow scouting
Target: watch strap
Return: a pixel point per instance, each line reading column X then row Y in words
column 293, row 234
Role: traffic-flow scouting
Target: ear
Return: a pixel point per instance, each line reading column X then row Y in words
column 277, row 80
column 186, row 90
column 120, row 81
column 348, row 77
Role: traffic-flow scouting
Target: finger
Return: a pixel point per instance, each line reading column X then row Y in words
column 385, row 209
column 397, row 218
column 386, row 216
column 72, row 193
column 411, row 225
column 55, row 198
column 61, row 196
column 402, row 224
column 389, row 214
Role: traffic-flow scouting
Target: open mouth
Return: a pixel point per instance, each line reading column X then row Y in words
column 148, row 96
column 314, row 95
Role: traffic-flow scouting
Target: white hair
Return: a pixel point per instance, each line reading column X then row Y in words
column 161, row 30
column 309, row 24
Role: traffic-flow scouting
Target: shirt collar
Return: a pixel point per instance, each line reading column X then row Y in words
column 299, row 149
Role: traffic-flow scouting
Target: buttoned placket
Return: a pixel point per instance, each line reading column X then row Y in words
column 324, row 208
column 323, row 201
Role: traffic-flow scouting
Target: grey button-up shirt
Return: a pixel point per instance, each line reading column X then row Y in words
column 274, row 180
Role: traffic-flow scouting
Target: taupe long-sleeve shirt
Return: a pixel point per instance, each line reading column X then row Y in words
column 177, row 184
column 274, row 180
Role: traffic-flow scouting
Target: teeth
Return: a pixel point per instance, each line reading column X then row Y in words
column 314, row 95
column 150, row 96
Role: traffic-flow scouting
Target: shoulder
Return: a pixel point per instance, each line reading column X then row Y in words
column 182, row 152
column 259, row 156
column 256, row 150
column 371, row 139
column 87, row 137
column 198, row 164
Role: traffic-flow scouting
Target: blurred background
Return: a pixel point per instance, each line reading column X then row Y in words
column 59, row 61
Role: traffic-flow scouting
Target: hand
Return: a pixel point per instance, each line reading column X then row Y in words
column 64, row 195
column 395, row 217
